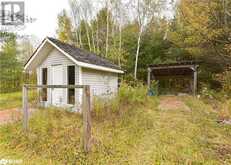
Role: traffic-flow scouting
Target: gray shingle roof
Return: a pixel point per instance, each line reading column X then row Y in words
column 84, row 56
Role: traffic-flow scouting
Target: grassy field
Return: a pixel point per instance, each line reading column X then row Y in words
column 128, row 130
column 13, row 100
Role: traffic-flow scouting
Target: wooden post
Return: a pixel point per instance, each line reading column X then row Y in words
column 25, row 107
column 195, row 81
column 86, row 119
column 149, row 77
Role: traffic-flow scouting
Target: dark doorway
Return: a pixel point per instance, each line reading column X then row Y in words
column 71, row 81
column 44, row 82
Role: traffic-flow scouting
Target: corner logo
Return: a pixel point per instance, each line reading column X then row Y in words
column 12, row 13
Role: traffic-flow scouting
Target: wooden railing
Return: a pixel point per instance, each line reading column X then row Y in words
column 85, row 109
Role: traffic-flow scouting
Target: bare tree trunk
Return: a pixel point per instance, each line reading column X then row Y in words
column 137, row 53
column 80, row 37
column 166, row 33
column 97, row 36
column 77, row 38
column 120, row 45
column 93, row 39
column 113, row 34
column 76, row 31
column 107, row 35
column 88, row 36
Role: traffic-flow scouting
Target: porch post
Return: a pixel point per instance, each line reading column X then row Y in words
column 149, row 78
column 195, row 81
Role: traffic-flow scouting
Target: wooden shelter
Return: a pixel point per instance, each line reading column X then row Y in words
column 180, row 70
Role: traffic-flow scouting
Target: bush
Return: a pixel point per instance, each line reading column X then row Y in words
column 132, row 95
column 128, row 96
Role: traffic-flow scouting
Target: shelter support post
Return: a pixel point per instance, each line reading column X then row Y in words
column 149, row 78
column 195, row 81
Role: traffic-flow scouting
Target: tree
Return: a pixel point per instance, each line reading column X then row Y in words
column 119, row 14
column 76, row 19
column 64, row 30
column 25, row 50
column 153, row 48
column 144, row 11
column 10, row 67
column 202, row 29
column 107, row 29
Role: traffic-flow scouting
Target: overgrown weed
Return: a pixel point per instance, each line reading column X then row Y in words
column 125, row 130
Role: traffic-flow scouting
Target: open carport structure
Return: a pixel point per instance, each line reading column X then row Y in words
column 180, row 70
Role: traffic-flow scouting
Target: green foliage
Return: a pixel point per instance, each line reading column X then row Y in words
column 226, row 79
column 64, row 30
column 10, row 67
column 154, row 47
column 133, row 95
column 100, row 27
column 201, row 30
column 154, row 86
column 127, row 96
column 14, row 100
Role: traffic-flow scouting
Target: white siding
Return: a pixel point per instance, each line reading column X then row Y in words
column 101, row 83
column 56, row 58
column 38, row 71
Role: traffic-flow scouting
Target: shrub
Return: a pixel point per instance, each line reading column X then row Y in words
column 128, row 97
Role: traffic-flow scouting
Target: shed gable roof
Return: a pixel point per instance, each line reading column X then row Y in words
column 80, row 55
column 84, row 56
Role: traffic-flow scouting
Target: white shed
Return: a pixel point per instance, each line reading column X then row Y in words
column 58, row 63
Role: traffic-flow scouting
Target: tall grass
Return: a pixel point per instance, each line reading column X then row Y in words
column 129, row 129
column 128, row 98
column 225, row 110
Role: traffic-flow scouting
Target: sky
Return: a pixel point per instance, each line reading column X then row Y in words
column 45, row 12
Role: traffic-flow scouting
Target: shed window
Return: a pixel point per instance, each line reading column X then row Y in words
column 44, row 82
column 71, row 81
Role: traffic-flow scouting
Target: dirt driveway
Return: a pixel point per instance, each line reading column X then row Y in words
column 10, row 115
column 172, row 103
